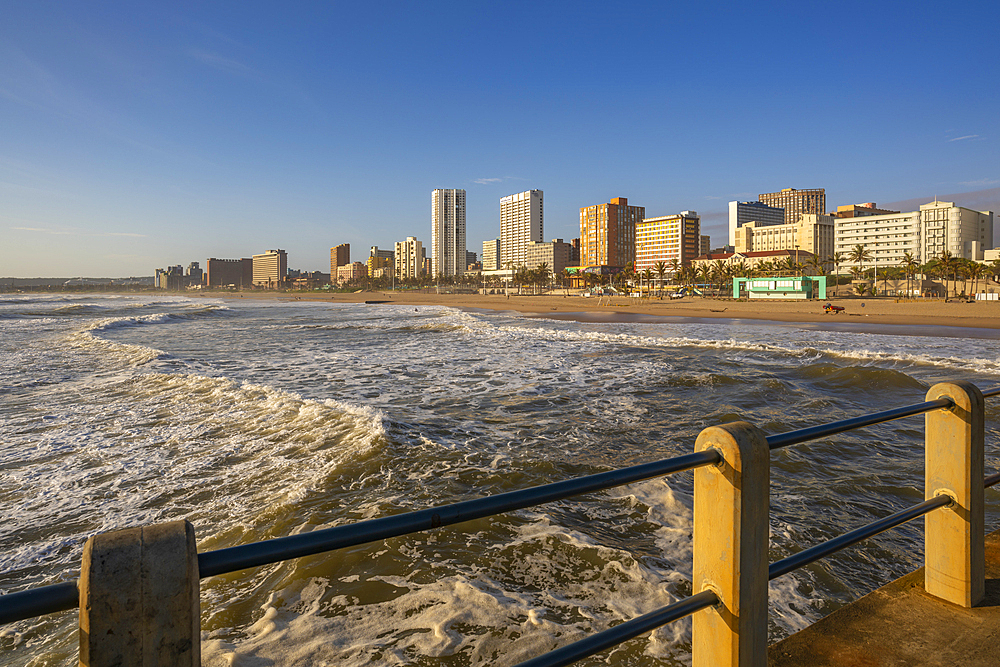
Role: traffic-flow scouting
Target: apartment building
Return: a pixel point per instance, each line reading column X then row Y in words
column 666, row 239
column 491, row 255
column 448, row 232
column 409, row 258
column 607, row 233
column 522, row 220
column 339, row 256
column 554, row 254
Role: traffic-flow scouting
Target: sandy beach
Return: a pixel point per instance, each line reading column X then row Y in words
column 910, row 316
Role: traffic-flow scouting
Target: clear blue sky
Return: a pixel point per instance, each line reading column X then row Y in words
column 138, row 135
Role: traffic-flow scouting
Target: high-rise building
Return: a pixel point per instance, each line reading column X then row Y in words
column 491, row 255
column 195, row 276
column 667, row 238
column 339, row 256
column 448, row 232
column 409, row 258
column 743, row 212
column 470, row 258
column 270, row 269
column 796, row 202
column 237, row 273
column 522, row 219
column 705, row 246
column 607, row 233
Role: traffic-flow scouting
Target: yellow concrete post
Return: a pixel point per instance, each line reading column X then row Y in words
column 954, row 536
column 139, row 598
column 730, row 548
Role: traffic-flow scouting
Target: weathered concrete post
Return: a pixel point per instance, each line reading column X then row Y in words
column 139, row 598
column 730, row 548
column 954, row 536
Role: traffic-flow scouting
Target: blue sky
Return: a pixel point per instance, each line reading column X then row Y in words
column 139, row 135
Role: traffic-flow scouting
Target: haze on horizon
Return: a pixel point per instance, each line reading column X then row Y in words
column 138, row 136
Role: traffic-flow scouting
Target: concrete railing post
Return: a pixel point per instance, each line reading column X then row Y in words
column 730, row 548
column 954, row 536
column 139, row 598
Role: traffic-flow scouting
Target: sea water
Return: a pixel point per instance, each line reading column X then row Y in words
column 258, row 419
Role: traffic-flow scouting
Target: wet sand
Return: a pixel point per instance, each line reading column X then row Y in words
column 899, row 317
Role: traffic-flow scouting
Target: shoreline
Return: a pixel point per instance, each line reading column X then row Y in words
column 880, row 315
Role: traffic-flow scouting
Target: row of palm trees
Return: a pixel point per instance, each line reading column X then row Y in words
column 718, row 274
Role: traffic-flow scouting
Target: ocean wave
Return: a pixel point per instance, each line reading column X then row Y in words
column 810, row 352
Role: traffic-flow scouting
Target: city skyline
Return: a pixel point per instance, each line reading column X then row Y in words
column 144, row 136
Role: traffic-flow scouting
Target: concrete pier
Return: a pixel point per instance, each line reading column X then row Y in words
column 900, row 624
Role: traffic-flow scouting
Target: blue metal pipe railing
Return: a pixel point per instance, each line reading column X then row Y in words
column 64, row 596
column 622, row 632
column 60, row 597
column 241, row 557
column 813, row 432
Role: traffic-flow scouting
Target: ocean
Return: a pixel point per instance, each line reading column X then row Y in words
column 258, row 419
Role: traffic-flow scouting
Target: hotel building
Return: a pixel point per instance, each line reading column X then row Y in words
column 814, row 233
column 225, row 272
column 744, row 212
column 270, row 269
column 796, row 202
column 926, row 234
column 448, row 232
column 522, row 220
column 607, row 233
column 667, row 238
column 409, row 258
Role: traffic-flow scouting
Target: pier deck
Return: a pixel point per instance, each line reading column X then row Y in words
column 900, row 624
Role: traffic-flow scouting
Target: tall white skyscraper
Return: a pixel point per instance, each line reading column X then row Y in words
column 448, row 232
column 521, row 221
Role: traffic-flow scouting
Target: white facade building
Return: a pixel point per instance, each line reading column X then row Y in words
column 409, row 258
column 448, row 232
column 925, row 234
column 521, row 221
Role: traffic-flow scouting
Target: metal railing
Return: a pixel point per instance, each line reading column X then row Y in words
column 64, row 596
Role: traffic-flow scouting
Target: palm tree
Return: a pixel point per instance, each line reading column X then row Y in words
column 836, row 259
column 948, row 264
column 648, row 275
column 976, row 271
column 910, row 266
column 661, row 270
column 543, row 273
column 859, row 255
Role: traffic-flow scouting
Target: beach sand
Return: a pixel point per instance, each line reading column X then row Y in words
column 901, row 317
